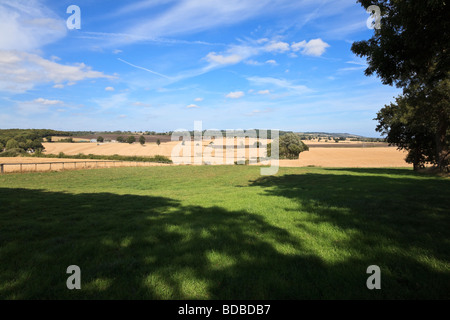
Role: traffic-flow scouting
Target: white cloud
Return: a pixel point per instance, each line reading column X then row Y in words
column 109, row 89
column 235, row 95
column 277, row 46
column 314, row 47
column 47, row 102
column 28, row 25
column 264, row 92
column 117, row 51
column 21, row 71
column 192, row 106
column 250, row 48
column 220, row 59
column 58, row 86
column 198, row 99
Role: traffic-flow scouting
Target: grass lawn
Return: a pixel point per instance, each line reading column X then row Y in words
column 224, row 232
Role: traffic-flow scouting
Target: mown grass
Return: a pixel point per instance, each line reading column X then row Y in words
column 224, row 232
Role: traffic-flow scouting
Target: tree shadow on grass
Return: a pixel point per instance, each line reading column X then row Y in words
column 146, row 247
column 143, row 247
column 394, row 218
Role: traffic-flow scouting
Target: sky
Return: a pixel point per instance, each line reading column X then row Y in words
column 160, row 65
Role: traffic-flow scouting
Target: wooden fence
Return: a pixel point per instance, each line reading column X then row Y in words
column 69, row 165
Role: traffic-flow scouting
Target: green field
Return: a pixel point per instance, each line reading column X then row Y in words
column 225, row 232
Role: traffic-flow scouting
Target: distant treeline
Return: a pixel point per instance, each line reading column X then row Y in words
column 16, row 141
column 118, row 133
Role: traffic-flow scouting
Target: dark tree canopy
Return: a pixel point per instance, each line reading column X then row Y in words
column 419, row 122
column 413, row 43
column 412, row 50
column 290, row 146
column 131, row 139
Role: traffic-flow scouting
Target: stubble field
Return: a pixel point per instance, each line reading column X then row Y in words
column 316, row 156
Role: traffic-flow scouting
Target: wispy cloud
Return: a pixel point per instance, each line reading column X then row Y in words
column 145, row 69
column 141, row 104
column 116, row 101
column 257, row 112
column 191, row 16
column 37, row 106
column 27, row 25
column 47, row 102
column 280, row 83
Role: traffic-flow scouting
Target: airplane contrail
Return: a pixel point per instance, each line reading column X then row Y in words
column 148, row 70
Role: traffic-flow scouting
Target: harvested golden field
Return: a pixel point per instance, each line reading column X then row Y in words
column 349, row 157
column 136, row 149
column 317, row 156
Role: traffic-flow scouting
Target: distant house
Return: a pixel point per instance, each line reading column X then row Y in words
column 94, row 140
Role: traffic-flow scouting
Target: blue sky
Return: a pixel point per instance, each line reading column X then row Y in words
column 160, row 65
